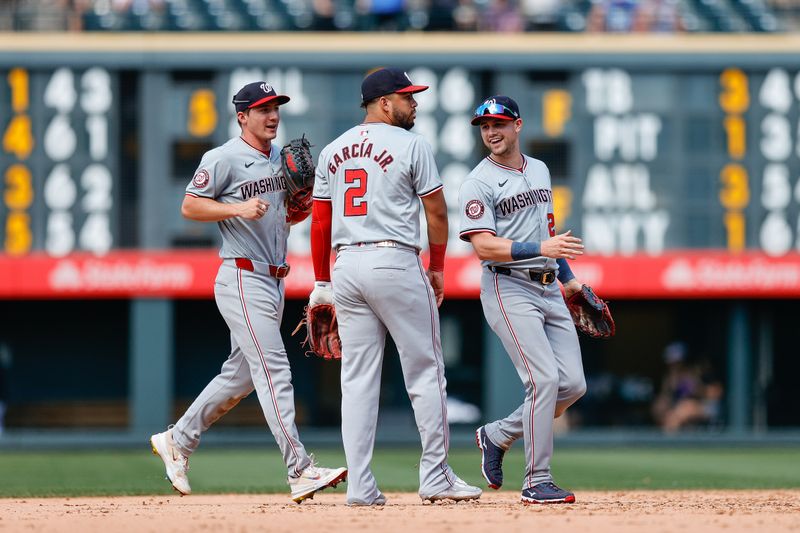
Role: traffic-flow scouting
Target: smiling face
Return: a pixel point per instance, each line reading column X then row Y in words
column 260, row 124
column 501, row 136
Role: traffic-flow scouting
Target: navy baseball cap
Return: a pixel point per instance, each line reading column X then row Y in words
column 387, row 81
column 501, row 107
column 256, row 94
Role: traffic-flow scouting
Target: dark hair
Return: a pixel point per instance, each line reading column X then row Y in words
column 368, row 102
column 246, row 112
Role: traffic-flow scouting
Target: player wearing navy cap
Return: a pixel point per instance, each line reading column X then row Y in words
column 507, row 214
column 369, row 186
column 240, row 186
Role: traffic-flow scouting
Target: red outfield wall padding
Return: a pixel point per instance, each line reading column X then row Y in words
column 190, row 274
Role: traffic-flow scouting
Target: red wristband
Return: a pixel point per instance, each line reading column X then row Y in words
column 436, row 263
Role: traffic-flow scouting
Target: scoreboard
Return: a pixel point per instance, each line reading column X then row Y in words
column 676, row 160
column 59, row 160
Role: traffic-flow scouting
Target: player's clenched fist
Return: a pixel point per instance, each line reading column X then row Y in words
column 564, row 245
column 253, row 209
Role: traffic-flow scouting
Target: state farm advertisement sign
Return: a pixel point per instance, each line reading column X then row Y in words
column 190, row 274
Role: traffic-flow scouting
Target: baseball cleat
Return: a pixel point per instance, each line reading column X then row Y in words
column 458, row 491
column 315, row 478
column 491, row 459
column 547, row 492
column 175, row 462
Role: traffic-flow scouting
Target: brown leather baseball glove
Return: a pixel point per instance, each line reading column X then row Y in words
column 322, row 331
column 591, row 314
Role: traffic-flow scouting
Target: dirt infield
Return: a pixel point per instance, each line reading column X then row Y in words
column 599, row 512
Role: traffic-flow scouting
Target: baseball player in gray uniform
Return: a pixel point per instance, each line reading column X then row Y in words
column 367, row 194
column 240, row 186
column 507, row 214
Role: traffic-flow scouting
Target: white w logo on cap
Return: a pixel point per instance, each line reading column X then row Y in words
column 266, row 87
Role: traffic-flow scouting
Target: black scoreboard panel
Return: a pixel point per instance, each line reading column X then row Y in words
column 644, row 158
column 59, row 160
column 660, row 160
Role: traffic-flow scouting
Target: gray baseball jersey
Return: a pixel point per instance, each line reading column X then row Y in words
column 251, row 302
column 236, row 172
column 531, row 319
column 374, row 174
column 513, row 203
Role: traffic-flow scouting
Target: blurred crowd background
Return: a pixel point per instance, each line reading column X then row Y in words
column 502, row 16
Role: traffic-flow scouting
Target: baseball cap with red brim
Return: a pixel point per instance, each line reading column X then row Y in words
column 500, row 107
column 388, row 81
column 256, row 94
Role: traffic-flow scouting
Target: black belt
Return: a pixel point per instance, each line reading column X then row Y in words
column 545, row 277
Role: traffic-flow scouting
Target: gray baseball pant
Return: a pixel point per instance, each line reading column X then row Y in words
column 252, row 305
column 379, row 289
column 537, row 331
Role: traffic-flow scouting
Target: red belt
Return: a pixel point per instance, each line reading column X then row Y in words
column 276, row 271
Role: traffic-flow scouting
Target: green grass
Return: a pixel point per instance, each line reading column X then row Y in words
column 27, row 474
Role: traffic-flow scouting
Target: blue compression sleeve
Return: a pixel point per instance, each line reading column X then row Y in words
column 525, row 250
column 564, row 271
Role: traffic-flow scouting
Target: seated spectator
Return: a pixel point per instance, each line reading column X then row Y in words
column 465, row 16
column 689, row 394
column 324, row 15
column 541, row 15
column 632, row 16
column 612, row 16
column 502, row 16
column 382, row 15
column 440, row 14
column 657, row 16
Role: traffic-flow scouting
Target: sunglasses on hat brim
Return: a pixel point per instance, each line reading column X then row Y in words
column 494, row 110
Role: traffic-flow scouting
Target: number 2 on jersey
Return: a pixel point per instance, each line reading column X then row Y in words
column 551, row 224
column 354, row 203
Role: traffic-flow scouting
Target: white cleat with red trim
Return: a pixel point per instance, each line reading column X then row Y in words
column 315, row 478
column 175, row 462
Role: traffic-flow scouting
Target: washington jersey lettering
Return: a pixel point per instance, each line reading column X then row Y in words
column 234, row 173
column 373, row 175
column 511, row 203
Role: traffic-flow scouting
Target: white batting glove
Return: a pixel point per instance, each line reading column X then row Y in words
column 322, row 293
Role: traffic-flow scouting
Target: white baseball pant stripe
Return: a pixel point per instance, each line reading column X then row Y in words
column 252, row 306
column 537, row 331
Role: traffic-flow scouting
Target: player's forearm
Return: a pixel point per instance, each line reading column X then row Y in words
column 436, row 217
column 565, row 274
column 438, row 230
column 571, row 287
column 207, row 210
column 489, row 247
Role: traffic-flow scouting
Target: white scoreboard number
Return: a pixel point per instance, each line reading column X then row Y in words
column 79, row 198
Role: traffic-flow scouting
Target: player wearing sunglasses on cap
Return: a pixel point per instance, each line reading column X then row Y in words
column 507, row 215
